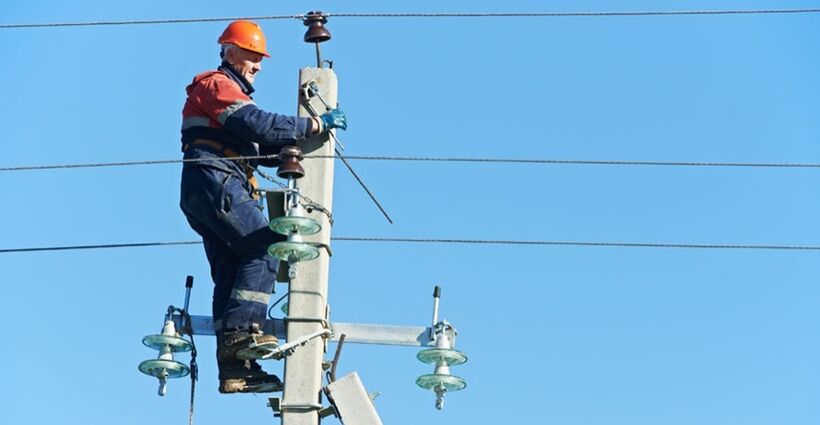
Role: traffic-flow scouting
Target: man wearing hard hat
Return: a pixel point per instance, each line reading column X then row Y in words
column 220, row 121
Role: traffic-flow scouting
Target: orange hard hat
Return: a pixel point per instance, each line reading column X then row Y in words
column 245, row 34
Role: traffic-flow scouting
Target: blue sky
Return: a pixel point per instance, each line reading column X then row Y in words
column 563, row 335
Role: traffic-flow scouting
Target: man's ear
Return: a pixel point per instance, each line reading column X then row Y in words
column 229, row 56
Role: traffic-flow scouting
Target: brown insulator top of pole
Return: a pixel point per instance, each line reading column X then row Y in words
column 316, row 33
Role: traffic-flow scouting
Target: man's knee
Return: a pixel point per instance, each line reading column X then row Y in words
column 256, row 243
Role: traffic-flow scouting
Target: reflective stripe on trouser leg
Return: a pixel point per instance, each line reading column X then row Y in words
column 253, row 285
column 247, row 295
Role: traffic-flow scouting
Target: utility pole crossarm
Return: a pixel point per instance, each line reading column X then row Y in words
column 356, row 333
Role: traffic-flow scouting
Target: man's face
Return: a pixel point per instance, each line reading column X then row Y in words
column 247, row 63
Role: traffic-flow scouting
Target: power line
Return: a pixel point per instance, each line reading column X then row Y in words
column 429, row 159
column 586, row 244
column 126, row 163
column 574, row 14
column 103, row 246
column 583, row 162
column 145, row 22
column 455, row 241
column 426, row 15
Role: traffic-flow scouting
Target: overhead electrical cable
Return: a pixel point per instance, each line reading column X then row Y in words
column 584, row 244
column 580, row 14
column 431, row 159
column 582, row 161
column 124, row 163
column 428, row 15
column 457, row 241
column 145, row 22
column 99, row 246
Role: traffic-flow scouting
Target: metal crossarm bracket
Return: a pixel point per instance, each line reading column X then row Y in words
column 356, row 333
column 275, row 403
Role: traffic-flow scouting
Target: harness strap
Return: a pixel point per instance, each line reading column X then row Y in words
column 227, row 152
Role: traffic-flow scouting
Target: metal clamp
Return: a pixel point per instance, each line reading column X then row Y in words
column 288, row 349
column 325, row 324
column 323, row 245
column 276, row 405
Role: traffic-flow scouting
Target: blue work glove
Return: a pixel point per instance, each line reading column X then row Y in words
column 334, row 118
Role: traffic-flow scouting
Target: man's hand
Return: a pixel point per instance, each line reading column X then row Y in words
column 334, row 118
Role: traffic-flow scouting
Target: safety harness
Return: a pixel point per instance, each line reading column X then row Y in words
column 225, row 151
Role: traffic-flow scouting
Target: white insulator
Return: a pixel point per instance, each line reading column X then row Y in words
column 443, row 341
column 442, row 368
column 169, row 329
column 297, row 211
column 165, row 353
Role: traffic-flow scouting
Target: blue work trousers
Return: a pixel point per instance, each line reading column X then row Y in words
column 216, row 199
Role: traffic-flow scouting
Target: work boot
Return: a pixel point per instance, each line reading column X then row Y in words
column 246, row 376
column 228, row 343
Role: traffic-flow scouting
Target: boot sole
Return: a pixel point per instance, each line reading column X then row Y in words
column 257, row 351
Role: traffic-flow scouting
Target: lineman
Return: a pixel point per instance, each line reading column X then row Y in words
column 219, row 121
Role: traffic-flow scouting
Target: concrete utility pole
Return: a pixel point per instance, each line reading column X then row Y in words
column 307, row 305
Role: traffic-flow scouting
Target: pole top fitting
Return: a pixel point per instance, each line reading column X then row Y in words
column 316, row 33
column 290, row 167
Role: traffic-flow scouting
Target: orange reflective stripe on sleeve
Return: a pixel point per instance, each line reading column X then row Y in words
column 224, row 115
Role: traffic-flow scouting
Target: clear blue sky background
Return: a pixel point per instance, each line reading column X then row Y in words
column 556, row 335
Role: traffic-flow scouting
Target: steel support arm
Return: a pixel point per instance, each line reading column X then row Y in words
column 361, row 333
